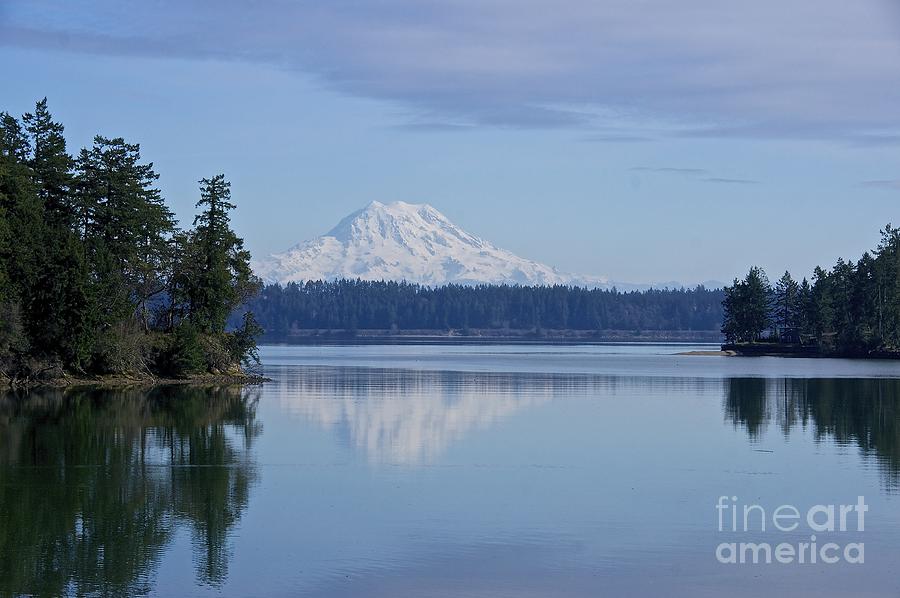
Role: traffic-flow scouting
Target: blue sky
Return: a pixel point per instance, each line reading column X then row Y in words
column 642, row 139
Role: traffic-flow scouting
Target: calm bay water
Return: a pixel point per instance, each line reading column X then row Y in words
column 452, row 471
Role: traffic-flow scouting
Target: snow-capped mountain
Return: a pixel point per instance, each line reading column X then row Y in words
column 412, row 242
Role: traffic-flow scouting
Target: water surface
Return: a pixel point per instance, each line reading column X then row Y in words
column 449, row 471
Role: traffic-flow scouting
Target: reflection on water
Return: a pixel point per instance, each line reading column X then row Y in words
column 95, row 484
column 410, row 417
column 596, row 476
column 860, row 412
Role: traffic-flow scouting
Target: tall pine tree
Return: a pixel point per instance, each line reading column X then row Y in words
column 224, row 280
column 786, row 303
column 126, row 227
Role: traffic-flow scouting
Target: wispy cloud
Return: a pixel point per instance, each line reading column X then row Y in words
column 701, row 174
column 888, row 184
column 727, row 181
column 669, row 170
column 434, row 127
column 615, row 138
column 794, row 69
column 879, row 140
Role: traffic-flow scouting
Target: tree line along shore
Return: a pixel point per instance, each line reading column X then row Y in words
column 851, row 310
column 363, row 308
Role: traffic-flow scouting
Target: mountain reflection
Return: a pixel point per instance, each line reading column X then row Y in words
column 95, row 483
column 860, row 412
column 411, row 417
column 405, row 416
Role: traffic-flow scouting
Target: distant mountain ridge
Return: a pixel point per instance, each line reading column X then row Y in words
column 414, row 243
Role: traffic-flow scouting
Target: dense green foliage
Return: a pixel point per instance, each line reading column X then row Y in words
column 95, row 276
column 361, row 305
column 852, row 309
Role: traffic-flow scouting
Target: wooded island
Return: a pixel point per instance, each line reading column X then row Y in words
column 96, row 278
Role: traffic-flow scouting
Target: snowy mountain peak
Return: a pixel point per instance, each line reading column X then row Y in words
column 393, row 218
column 412, row 242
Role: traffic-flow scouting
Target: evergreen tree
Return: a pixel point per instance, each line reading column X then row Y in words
column 804, row 312
column 8, row 305
column 51, row 165
column 747, row 307
column 56, row 295
column 5, row 285
column 126, row 227
column 758, row 302
column 224, row 280
column 864, row 304
column 887, row 273
column 731, row 312
column 24, row 258
column 787, row 306
column 822, row 307
column 842, row 280
column 21, row 207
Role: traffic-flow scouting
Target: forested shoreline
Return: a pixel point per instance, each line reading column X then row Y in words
column 353, row 306
column 853, row 309
column 96, row 277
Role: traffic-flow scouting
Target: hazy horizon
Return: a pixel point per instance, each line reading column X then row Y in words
column 637, row 142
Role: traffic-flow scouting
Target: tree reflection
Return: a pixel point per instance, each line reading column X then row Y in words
column 859, row 412
column 94, row 483
column 746, row 403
